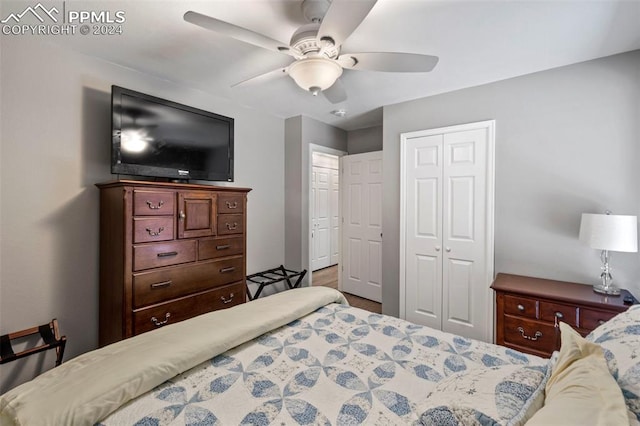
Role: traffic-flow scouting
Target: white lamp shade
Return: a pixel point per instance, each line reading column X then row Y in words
column 609, row 232
column 318, row 73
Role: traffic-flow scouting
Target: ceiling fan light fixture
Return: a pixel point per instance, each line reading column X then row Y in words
column 315, row 74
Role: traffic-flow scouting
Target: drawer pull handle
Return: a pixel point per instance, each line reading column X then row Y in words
column 229, row 269
column 161, row 284
column 521, row 308
column 229, row 300
column 232, row 226
column 157, row 323
column 168, row 254
column 153, row 233
column 156, row 207
column 535, row 336
column 233, row 205
column 600, row 322
column 224, row 247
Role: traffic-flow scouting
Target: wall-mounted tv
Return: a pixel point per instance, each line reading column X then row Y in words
column 158, row 138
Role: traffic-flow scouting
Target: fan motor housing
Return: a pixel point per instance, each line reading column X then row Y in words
column 305, row 40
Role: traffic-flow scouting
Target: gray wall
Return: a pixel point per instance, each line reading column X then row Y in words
column 567, row 142
column 364, row 140
column 55, row 144
column 299, row 133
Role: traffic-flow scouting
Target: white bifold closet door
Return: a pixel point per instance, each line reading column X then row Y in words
column 447, row 261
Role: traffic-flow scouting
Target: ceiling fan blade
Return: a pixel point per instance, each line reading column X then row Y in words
column 336, row 93
column 388, row 61
column 236, row 32
column 262, row 78
column 343, row 17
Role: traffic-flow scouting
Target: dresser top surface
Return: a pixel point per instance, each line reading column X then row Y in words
column 558, row 290
column 169, row 185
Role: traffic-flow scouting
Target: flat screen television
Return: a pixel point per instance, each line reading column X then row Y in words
column 159, row 138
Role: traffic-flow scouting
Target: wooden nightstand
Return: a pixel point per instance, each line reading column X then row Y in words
column 529, row 309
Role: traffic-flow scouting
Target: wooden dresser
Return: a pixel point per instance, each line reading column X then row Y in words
column 528, row 311
column 168, row 252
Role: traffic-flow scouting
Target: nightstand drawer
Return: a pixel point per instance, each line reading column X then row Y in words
column 590, row 319
column 549, row 311
column 530, row 334
column 520, row 306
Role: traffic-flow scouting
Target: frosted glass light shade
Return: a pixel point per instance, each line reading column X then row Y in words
column 315, row 73
column 609, row 232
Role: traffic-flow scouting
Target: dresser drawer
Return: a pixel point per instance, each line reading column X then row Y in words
column 187, row 307
column 212, row 248
column 521, row 306
column 169, row 283
column 549, row 311
column 149, row 229
column 153, row 203
column 590, row 318
column 163, row 254
column 230, row 224
column 230, row 203
column 530, row 334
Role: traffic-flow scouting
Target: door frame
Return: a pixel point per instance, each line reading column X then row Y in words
column 489, row 125
column 325, row 150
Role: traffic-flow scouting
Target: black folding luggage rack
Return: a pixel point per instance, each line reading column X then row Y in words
column 272, row 276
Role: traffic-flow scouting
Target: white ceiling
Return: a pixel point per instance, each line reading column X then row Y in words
column 477, row 42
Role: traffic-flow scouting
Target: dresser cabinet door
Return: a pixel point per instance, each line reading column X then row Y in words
column 196, row 214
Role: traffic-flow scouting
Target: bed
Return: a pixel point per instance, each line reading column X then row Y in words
column 320, row 361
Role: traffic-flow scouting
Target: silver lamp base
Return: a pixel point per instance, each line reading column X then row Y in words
column 606, row 286
column 611, row 290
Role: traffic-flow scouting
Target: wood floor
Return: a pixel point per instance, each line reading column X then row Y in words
column 328, row 277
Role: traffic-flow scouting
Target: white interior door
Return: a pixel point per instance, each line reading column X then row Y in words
column 362, row 225
column 424, row 230
column 321, row 218
column 466, row 291
column 334, row 184
column 447, row 229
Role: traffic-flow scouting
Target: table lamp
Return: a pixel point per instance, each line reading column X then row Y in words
column 608, row 232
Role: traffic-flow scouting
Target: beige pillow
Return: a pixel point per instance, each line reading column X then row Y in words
column 580, row 390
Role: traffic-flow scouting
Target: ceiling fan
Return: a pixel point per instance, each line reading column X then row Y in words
column 316, row 47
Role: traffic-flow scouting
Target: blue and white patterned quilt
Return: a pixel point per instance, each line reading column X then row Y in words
column 338, row 365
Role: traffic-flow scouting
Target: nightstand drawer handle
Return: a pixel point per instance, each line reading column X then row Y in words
column 153, row 233
column 600, row 322
column 535, row 336
column 233, row 205
column 223, row 247
column 233, row 226
column 559, row 315
column 229, row 300
column 521, row 308
column 228, row 269
column 157, row 323
column 156, row 207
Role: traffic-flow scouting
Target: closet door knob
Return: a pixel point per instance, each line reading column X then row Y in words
column 448, row 249
column 437, row 248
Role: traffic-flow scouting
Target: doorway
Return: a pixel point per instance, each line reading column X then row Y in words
column 324, row 211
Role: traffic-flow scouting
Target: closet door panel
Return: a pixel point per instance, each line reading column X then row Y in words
column 464, row 236
column 423, row 242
